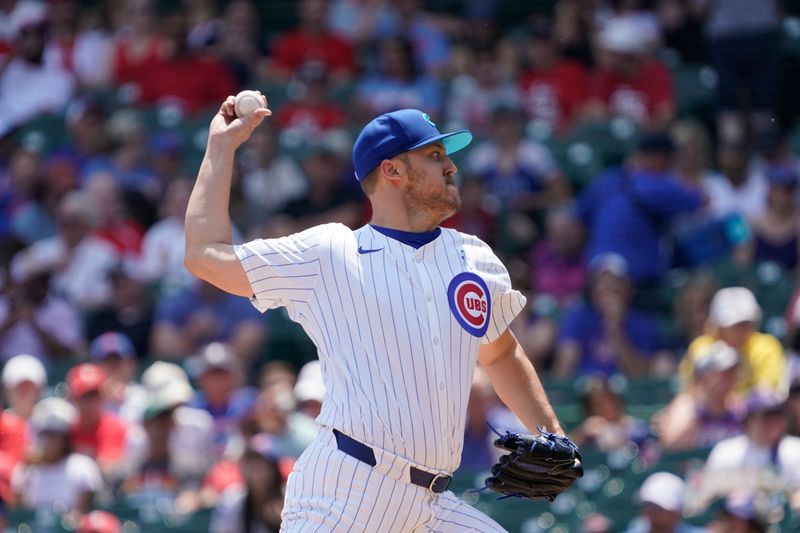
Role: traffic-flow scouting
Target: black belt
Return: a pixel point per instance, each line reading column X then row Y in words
column 434, row 482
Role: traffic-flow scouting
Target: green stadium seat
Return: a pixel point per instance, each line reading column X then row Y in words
column 695, row 87
column 43, row 133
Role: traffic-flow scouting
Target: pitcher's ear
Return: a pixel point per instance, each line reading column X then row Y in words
column 392, row 168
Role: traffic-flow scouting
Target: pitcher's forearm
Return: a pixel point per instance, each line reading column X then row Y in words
column 207, row 217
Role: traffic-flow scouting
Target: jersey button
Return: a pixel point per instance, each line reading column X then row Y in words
column 418, row 259
column 428, row 296
column 441, row 386
column 436, row 341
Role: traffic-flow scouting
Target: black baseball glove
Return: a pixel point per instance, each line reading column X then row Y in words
column 537, row 466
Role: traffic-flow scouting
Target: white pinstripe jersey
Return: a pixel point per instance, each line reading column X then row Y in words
column 397, row 329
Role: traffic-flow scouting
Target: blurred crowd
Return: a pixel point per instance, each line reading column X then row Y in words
column 126, row 379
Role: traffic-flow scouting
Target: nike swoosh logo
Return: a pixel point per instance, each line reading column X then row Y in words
column 367, row 251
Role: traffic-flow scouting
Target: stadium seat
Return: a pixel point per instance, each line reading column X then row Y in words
column 43, row 133
column 695, row 89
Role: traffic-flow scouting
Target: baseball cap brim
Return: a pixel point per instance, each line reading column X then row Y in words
column 453, row 141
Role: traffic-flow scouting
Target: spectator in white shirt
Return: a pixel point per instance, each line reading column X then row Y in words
column 736, row 189
column 55, row 479
column 82, row 262
column 764, row 451
column 161, row 258
column 35, row 322
column 16, row 14
column 29, row 83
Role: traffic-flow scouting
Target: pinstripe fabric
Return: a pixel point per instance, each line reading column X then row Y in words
column 397, row 330
column 329, row 491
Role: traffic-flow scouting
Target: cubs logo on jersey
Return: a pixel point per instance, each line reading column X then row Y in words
column 469, row 300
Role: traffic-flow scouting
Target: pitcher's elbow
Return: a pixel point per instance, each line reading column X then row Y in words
column 192, row 261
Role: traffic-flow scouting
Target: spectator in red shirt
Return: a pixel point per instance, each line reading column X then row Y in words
column 113, row 224
column 139, row 43
column 628, row 82
column 13, row 443
column 98, row 433
column 478, row 91
column 312, row 41
column 311, row 112
column 553, row 89
column 191, row 80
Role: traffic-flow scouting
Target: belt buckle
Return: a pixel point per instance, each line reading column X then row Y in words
column 438, row 477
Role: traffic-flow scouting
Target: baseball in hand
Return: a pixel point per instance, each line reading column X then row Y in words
column 248, row 101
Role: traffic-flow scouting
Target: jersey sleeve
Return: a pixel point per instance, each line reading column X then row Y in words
column 282, row 270
column 506, row 301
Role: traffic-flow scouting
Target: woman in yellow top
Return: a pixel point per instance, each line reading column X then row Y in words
column 734, row 316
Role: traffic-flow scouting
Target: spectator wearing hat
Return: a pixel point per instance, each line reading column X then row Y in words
column 627, row 209
column 520, row 173
column 776, row 230
column 734, row 317
column 708, row 411
column 99, row 522
column 157, row 467
column 219, row 373
column 309, row 391
column 628, row 82
column 255, row 506
column 115, row 354
column 174, row 442
column 764, row 447
column 97, row 432
column 55, row 477
column 662, row 497
column 31, row 83
column 24, row 381
column 200, row 314
column 604, row 334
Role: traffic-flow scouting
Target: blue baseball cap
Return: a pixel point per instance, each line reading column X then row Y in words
column 112, row 343
column 393, row 133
